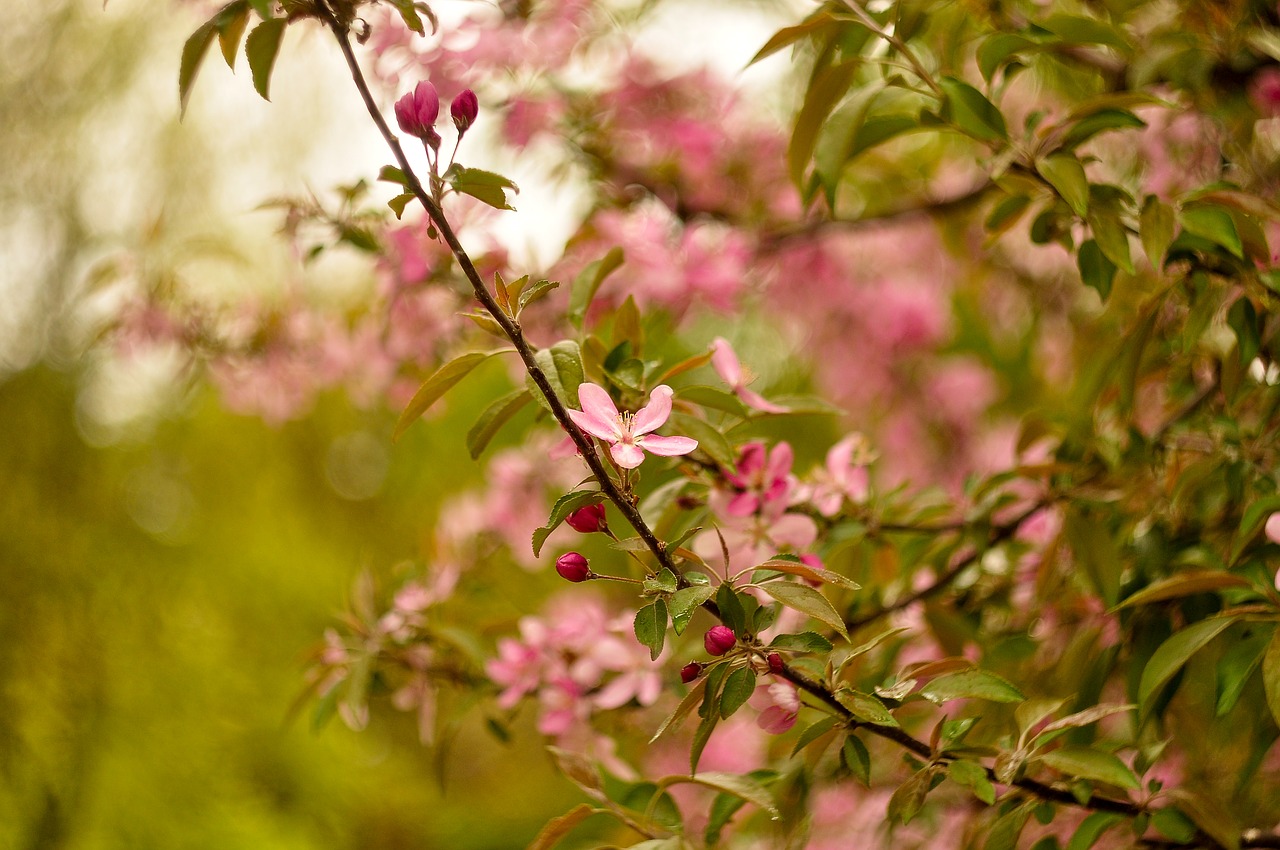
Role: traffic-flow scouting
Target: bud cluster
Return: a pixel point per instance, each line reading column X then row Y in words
column 417, row 111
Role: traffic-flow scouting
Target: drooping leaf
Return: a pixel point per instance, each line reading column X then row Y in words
column 261, row 49
column 1171, row 655
column 909, row 797
column 1092, row 828
column 1242, row 318
column 1156, row 227
column 673, row 720
column 685, row 601
column 1212, row 223
column 799, row 568
column 651, row 627
column 1184, row 584
column 996, row 49
column 743, row 787
column 1108, row 228
column 974, row 777
column 1236, row 668
column 559, row 827
column 823, row 95
column 1098, row 122
column 1066, row 175
column 788, row 36
column 806, row 600
column 232, row 21
column 1096, row 271
column 970, row 111
column 731, row 611
column 740, row 685
column 1005, row 831
column 565, row 505
column 494, row 417
column 856, row 758
column 193, row 54
column 813, row 732
column 440, row 382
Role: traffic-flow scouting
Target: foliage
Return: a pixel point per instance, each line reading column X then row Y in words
column 1026, row 246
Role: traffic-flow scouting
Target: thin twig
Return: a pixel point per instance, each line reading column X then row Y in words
column 898, row 44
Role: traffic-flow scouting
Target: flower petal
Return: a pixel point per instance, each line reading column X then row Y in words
column 602, row 419
column 725, row 362
column 759, row 402
column 795, row 530
column 667, row 446
column 652, row 415
column 627, row 455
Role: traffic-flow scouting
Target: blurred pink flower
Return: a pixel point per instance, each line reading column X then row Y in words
column 762, row 482
column 1264, row 91
column 843, row 477
column 727, row 366
column 629, row 434
column 781, row 712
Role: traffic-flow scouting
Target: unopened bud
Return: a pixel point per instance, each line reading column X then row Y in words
column 573, row 566
column 417, row 111
column 588, row 520
column 464, row 109
column 775, row 662
column 690, row 671
column 719, row 640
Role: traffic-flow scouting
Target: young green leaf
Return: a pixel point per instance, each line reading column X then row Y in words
column 684, row 602
column 494, row 417
column 1088, row 763
column 806, row 600
column 261, row 48
column 1066, row 175
column 971, row 684
column 1171, row 655
column 651, row 627
column 193, row 53
column 855, row 757
column 587, row 283
column 565, row 505
column 562, row 364
column 740, row 685
column 970, row 111
column 440, row 382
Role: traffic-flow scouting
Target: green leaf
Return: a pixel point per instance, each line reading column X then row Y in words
column 710, row 440
column 684, row 602
column 409, row 14
column 1096, row 271
column 399, row 202
column 790, row 35
column 1100, row 122
column 565, row 505
column 1109, row 231
column 865, row 707
column 193, row 54
column 562, row 364
column 1242, row 318
column 877, row 129
column 856, row 758
column 494, row 417
column 651, row 627
column 1171, row 655
column 740, row 685
column 484, row 186
column 799, row 568
column 1075, row 29
column 682, row 710
column 971, row 684
column 1088, row 763
column 804, row 642
column 1156, row 227
column 1005, row 831
column 826, row 91
column 703, row 733
column 973, row 776
column 1255, row 516
column 970, row 111
column 1006, row 213
column 1065, row 174
column 731, row 611
column 588, row 281
column 559, row 827
column 533, row 293
column 1080, row 718
column 1208, row 814
column 1184, row 584
column 1173, row 824
column 909, row 797
column 1092, row 828
column 1271, row 676
column 664, row 582
column 260, row 48
column 391, row 174
column 440, row 382
column 231, row 23
column 806, row 600
column 813, row 732
column 742, row 787
column 997, row 48
column 1093, row 547
column 1215, row 224
column 1236, row 667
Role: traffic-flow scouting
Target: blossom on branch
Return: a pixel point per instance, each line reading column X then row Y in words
column 629, row 435
column 729, row 368
column 416, row 113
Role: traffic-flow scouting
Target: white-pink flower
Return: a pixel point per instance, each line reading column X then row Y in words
column 845, row 476
column 725, row 361
column 629, row 435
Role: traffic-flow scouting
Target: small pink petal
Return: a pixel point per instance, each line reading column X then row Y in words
column 594, row 425
column 1272, row 528
column 725, row 362
column 759, row 402
column 743, row 504
column 795, row 530
column 780, row 460
column 775, row 720
column 627, row 455
column 652, row 415
column 603, row 414
column 667, row 446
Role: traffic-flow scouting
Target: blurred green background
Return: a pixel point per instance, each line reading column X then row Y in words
column 165, row 567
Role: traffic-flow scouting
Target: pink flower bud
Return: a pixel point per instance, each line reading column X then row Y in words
column 588, row 520
column 572, row 566
column 719, row 640
column 1272, row 528
column 464, row 109
column 690, row 671
column 775, row 662
column 417, row 111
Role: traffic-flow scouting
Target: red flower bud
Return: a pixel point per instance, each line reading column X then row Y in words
column 690, row 671
column 417, row 111
column 719, row 640
column 572, row 566
column 589, row 519
column 464, row 110
column 775, row 662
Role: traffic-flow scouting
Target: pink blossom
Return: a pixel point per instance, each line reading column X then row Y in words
column 1272, row 528
column 843, row 477
column 784, row 707
column 629, row 435
column 730, row 370
column 718, row 640
column 1264, row 91
column 417, row 111
column 572, row 566
column 464, row 109
column 762, row 481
